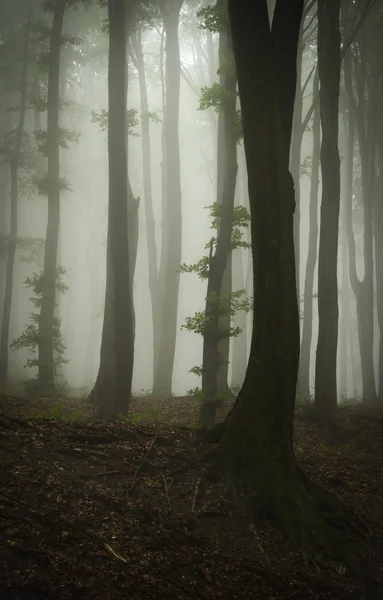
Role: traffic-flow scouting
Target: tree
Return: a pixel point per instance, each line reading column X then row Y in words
column 215, row 358
column 304, row 365
column 113, row 387
column 171, row 229
column 329, row 59
column 364, row 113
column 137, row 55
column 15, row 158
column 46, row 379
column 255, row 452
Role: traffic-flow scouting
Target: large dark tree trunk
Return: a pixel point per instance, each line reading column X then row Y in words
column 12, row 240
column 113, row 388
column 46, row 367
column 378, row 235
column 171, row 230
column 305, row 391
column 148, row 196
column 256, row 450
column 329, row 75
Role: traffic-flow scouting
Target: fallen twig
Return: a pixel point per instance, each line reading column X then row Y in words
column 142, row 462
column 115, row 554
column 254, row 531
column 166, row 490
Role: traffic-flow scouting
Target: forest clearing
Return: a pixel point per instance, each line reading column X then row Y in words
column 90, row 510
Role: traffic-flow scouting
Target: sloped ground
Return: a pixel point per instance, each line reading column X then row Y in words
column 104, row 512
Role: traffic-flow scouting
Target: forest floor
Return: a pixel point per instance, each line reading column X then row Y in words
column 103, row 512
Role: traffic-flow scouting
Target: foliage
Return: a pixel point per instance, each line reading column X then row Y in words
column 241, row 219
column 65, row 136
column 150, row 415
column 214, row 18
column 102, row 117
column 32, row 249
column 44, row 184
column 227, row 307
column 213, row 97
column 29, row 337
column 60, row 412
column 197, row 394
column 306, row 166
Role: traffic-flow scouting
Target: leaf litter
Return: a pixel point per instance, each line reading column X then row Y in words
column 96, row 511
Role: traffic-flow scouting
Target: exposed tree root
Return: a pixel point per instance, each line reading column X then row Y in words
column 306, row 513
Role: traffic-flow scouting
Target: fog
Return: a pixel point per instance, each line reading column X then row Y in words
column 83, row 222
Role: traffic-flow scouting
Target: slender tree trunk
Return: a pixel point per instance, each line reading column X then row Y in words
column 239, row 357
column 226, row 154
column 363, row 289
column 12, row 240
column 329, row 75
column 295, row 159
column 46, row 369
column 216, row 332
column 171, row 238
column 113, row 388
column 378, row 236
column 305, row 391
column 148, row 196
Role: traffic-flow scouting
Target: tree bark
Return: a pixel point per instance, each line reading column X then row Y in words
column 306, row 391
column 329, row 75
column 363, row 289
column 215, row 357
column 136, row 41
column 256, row 450
column 113, row 388
column 378, row 236
column 12, row 240
column 46, row 368
column 171, row 230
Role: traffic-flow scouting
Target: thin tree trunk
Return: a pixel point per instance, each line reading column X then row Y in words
column 295, row 160
column 329, row 74
column 216, row 333
column 305, row 391
column 239, row 356
column 12, row 240
column 148, row 196
column 378, row 237
column 171, row 230
column 46, row 368
column 363, row 289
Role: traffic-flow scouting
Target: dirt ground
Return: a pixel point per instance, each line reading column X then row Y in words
column 90, row 511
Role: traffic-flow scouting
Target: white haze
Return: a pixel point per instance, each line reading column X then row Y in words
column 84, row 223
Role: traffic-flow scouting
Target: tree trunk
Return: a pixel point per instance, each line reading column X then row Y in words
column 216, row 333
column 378, row 236
column 305, row 391
column 113, row 388
column 256, row 452
column 46, row 368
column 148, row 196
column 171, row 230
column 12, row 240
column 239, row 357
column 363, row 289
column 329, row 75
column 295, row 159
